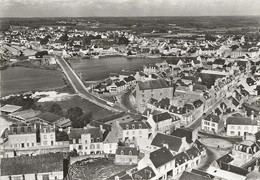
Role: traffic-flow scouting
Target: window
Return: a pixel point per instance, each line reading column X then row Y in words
column 45, row 136
column 80, row 147
column 22, row 145
column 142, row 95
column 232, row 127
column 133, row 126
column 28, row 144
column 130, row 153
column 77, row 141
column 122, row 152
column 86, row 147
column 98, row 146
column 45, row 177
column 213, row 124
column 127, row 132
column 92, row 140
column 32, row 144
column 232, row 132
column 238, row 127
column 86, row 141
column 140, row 132
column 51, row 136
column 140, row 126
column 133, row 132
column 127, row 126
column 44, row 142
column 51, row 143
column 92, row 146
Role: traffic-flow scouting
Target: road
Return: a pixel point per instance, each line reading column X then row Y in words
column 197, row 123
column 80, row 88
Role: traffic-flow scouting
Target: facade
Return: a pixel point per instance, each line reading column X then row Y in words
column 86, row 141
column 126, row 155
column 211, row 124
column 156, row 89
column 240, row 126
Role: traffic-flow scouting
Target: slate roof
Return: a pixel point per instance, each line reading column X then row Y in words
column 49, row 117
column 233, row 169
column 192, row 176
column 212, row 117
column 126, row 150
column 129, row 79
column 145, row 173
column 32, row 164
column 76, row 133
column 135, row 125
column 202, row 173
column 173, row 61
column 181, row 158
column 120, row 83
column 153, row 84
column 219, row 61
column 180, row 132
column 161, row 117
column 164, row 103
column 227, row 158
column 161, row 156
column 173, row 142
column 121, row 175
column 240, row 121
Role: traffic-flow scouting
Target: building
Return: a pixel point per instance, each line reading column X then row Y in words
column 126, row 155
column 86, row 141
column 156, row 89
column 240, row 126
column 212, row 124
column 190, row 135
column 130, row 131
column 25, row 115
column 8, row 108
column 173, row 143
column 28, row 140
column 110, row 142
column 45, row 166
column 162, row 122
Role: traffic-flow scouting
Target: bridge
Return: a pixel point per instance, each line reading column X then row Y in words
column 80, row 88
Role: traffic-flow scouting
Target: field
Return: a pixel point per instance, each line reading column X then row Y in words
column 85, row 105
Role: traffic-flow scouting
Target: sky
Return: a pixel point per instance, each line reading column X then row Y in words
column 87, row 8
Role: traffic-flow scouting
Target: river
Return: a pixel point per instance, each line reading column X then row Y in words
column 98, row 69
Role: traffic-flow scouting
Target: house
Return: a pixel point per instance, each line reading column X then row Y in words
column 86, row 141
column 190, row 175
column 173, row 143
column 45, row 166
column 126, row 155
column 156, row 89
column 162, row 122
column 245, row 151
column 130, row 131
column 110, row 142
column 240, row 126
column 167, row 166
column 212, row 123
column 191, row 135
column 117, row 87
column 8, row 108
column 150, row 69
column 29, row 139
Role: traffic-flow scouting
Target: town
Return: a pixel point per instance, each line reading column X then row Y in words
column 191, row 111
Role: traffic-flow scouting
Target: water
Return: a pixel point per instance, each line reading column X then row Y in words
column 20, row 79
column 97, row 69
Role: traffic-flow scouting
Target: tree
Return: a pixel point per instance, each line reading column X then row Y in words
column 64, row 38
column 74, row 113
column 86, row 118
column 129, row 53
column 56, row 109
column 61, row 136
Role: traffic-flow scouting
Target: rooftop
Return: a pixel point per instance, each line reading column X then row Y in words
column 10, row 108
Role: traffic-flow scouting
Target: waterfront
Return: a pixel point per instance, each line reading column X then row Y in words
column 98, row 69
column 20, row 79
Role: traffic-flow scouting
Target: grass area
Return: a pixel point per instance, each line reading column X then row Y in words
column 97, row 111
column 99, row 168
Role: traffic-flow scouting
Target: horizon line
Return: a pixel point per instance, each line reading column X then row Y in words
column 129, row 16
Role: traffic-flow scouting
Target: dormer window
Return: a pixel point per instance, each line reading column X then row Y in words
column 130, row 153
column 97, row 139
column 133, row 126
column 122, row 152
column 140, row 126
column 127, row 126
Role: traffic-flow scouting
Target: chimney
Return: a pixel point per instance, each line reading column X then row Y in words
column 101, row 127
column 69, row 128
